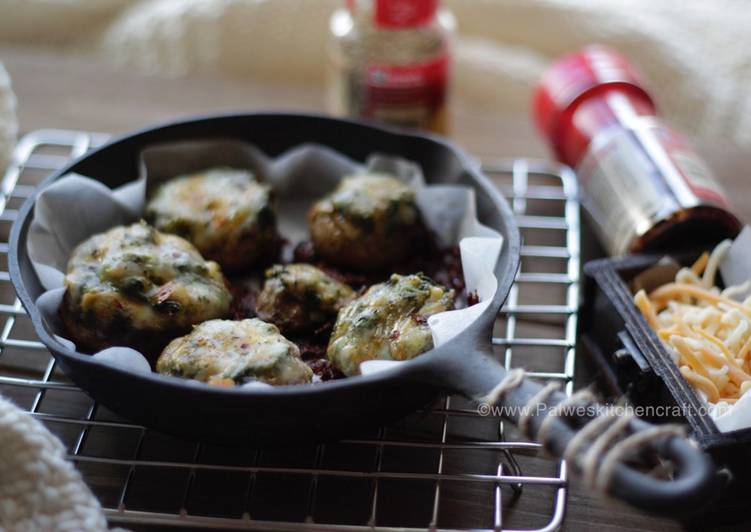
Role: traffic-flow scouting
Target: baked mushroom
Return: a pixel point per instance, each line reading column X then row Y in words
column 300, row 298
column 227, row 353
column 224, row 212
column 388, row 322
column 134, row 286
column 367, row 223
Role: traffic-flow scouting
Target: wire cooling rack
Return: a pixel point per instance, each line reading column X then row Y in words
column 445, row 468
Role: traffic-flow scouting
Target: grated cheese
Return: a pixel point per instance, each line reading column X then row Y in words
column 706, row 331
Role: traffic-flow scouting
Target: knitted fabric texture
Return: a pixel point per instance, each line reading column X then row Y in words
column 693, row 53
column 40, row 490
column 8, row 122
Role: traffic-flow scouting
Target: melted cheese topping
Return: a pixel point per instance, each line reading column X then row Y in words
column 388, row 322
column 371, row 198
column 135, row 278
column 215, row 210
column 367, row 223
column 707, row 332
column 299, row 297
column 222, row 351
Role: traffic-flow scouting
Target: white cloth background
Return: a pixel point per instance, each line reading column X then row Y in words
column 8, row 121
column 695, row 53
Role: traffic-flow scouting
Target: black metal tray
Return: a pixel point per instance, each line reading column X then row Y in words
column 628, row 358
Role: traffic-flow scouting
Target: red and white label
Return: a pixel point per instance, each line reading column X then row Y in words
column 695, row 173
column 635, row 177
column 427, row 74
column 404, row 13
column 423, row 85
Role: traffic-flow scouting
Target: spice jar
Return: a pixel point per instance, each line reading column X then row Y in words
column 641, row 183
column 390, row 60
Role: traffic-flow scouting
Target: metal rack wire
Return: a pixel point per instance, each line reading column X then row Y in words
column 446, row 468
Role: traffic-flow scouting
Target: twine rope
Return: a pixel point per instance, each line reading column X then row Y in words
column 627, row 447
column 540, row 397
column 603, row 434
column 511, row 380
column 585, row 434
column 592, row 457
column 583, row 396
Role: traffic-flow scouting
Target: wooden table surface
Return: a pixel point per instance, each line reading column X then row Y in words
column 57, row 90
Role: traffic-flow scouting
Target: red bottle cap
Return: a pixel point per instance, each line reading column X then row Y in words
column 404, row 13
column 575, row 77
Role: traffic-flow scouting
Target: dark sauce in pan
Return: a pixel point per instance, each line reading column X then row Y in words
column 443, row 265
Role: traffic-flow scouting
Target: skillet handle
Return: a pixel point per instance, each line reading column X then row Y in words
column 597, row 441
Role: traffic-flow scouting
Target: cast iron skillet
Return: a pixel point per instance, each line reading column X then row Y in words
column 292, row 414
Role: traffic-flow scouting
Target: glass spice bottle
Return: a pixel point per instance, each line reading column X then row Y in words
column 390, row 60
column 641, row 183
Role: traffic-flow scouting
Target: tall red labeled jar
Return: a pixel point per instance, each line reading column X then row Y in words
column 390, row 60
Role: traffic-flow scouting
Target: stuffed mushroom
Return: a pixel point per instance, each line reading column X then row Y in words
column 388, row 322
column 224, row 212
column 368, row 223
column 301, row 298
column 134, row 286
column 227, row 353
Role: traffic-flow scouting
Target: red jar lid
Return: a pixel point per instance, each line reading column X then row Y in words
column 400, row 14
column 576, row 76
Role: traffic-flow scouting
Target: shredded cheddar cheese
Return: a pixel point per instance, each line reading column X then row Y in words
column 706, row 329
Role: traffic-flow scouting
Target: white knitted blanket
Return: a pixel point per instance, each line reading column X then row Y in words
column 694, row 52
column 40, row 491
column 8, row 121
